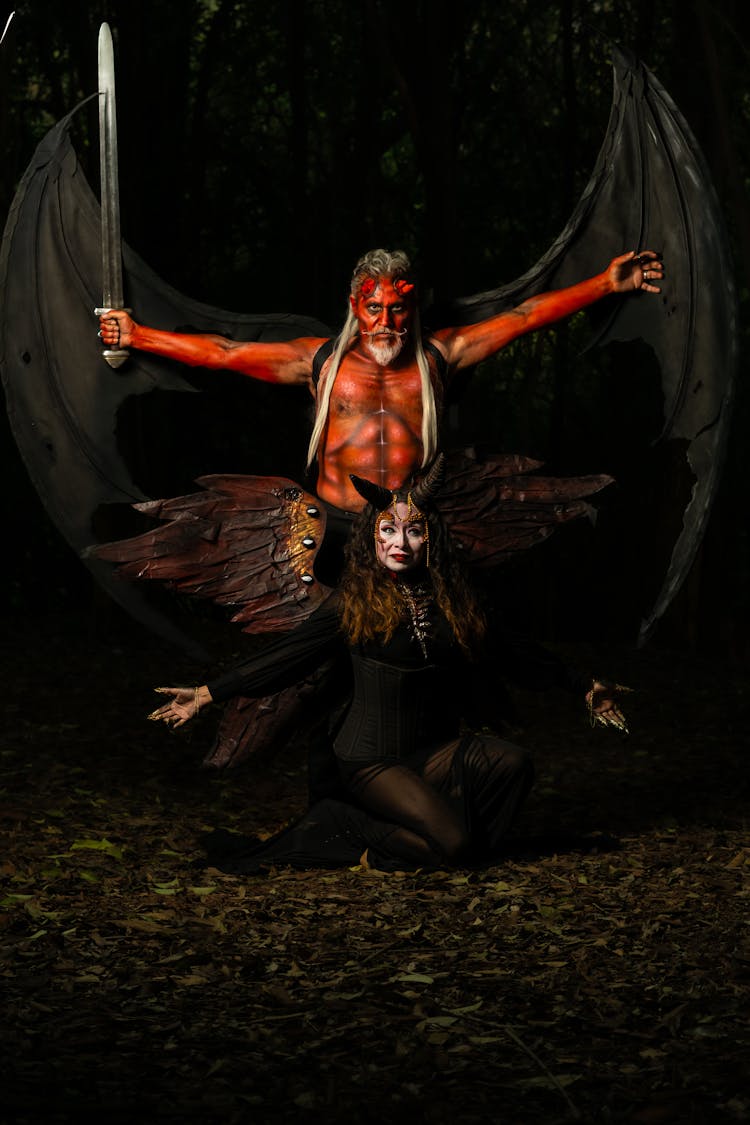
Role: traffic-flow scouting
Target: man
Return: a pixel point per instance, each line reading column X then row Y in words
column 379, row 391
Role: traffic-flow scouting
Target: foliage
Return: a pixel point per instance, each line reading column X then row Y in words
column 598, row 974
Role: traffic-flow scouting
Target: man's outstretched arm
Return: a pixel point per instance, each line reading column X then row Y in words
column 463, row 347
column 289, row 361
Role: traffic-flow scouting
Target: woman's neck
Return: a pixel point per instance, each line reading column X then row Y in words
column 417, row 577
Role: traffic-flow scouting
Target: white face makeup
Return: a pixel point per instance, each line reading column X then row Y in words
column 400, row 539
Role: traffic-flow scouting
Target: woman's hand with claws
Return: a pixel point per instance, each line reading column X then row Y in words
column 603, row 707
column 182, row 707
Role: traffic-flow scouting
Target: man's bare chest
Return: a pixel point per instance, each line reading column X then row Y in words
column 359, row 393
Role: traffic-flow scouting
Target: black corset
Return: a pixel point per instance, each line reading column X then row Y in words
column 396, row 711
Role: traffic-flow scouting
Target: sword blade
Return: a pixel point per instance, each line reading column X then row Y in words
column 112, row 289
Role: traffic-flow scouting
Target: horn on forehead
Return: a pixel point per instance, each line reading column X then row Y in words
column 428, row 487
column 380, row 498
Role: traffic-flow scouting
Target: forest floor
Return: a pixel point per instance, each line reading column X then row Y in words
column 599, row 974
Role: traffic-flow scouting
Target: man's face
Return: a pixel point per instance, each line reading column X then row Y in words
column 384, row 317
column 400, row 539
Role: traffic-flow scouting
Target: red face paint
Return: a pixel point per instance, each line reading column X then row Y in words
column 367, row 288
column 384, row 317
column 381, row 307
column 402, row 287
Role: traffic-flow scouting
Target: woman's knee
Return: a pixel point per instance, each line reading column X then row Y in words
column 518, row 761
column 488, row 756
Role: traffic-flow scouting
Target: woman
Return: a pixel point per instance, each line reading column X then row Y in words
column 419, row 792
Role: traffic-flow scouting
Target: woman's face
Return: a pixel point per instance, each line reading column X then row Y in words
column 400, row 539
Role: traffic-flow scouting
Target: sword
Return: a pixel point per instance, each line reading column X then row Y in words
column 112, row 291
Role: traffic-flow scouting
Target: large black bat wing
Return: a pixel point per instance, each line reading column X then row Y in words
column 650, row 188
column 63, row 400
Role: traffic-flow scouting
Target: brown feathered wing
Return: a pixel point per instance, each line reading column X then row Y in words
column 247, row 543
column 496, row 507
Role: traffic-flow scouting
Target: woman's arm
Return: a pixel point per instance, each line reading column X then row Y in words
column 277, row 666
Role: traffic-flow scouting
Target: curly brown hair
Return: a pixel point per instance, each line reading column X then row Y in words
column 371, row 606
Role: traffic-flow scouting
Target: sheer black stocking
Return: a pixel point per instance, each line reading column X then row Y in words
column 420, row 825
column 451, row 805
column 492, row 779
column 460, row 800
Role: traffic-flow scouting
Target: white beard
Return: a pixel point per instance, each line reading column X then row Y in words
column 383, row 347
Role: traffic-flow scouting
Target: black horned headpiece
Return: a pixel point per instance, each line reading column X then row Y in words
column 420, row 495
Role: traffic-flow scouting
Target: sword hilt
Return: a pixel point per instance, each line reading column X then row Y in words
column 115, row 357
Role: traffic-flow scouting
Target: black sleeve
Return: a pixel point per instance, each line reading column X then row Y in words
column 531, row 665
column 510, row 654
column 516, row 659
column 286, row 661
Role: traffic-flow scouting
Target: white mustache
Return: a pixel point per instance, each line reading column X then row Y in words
column 386, row 332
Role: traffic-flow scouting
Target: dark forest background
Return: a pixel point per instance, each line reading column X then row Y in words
column 265, row 145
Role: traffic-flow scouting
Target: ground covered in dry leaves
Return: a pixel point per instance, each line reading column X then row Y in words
column 599, row 974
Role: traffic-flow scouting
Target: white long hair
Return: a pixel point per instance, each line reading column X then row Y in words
column 376, row 264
